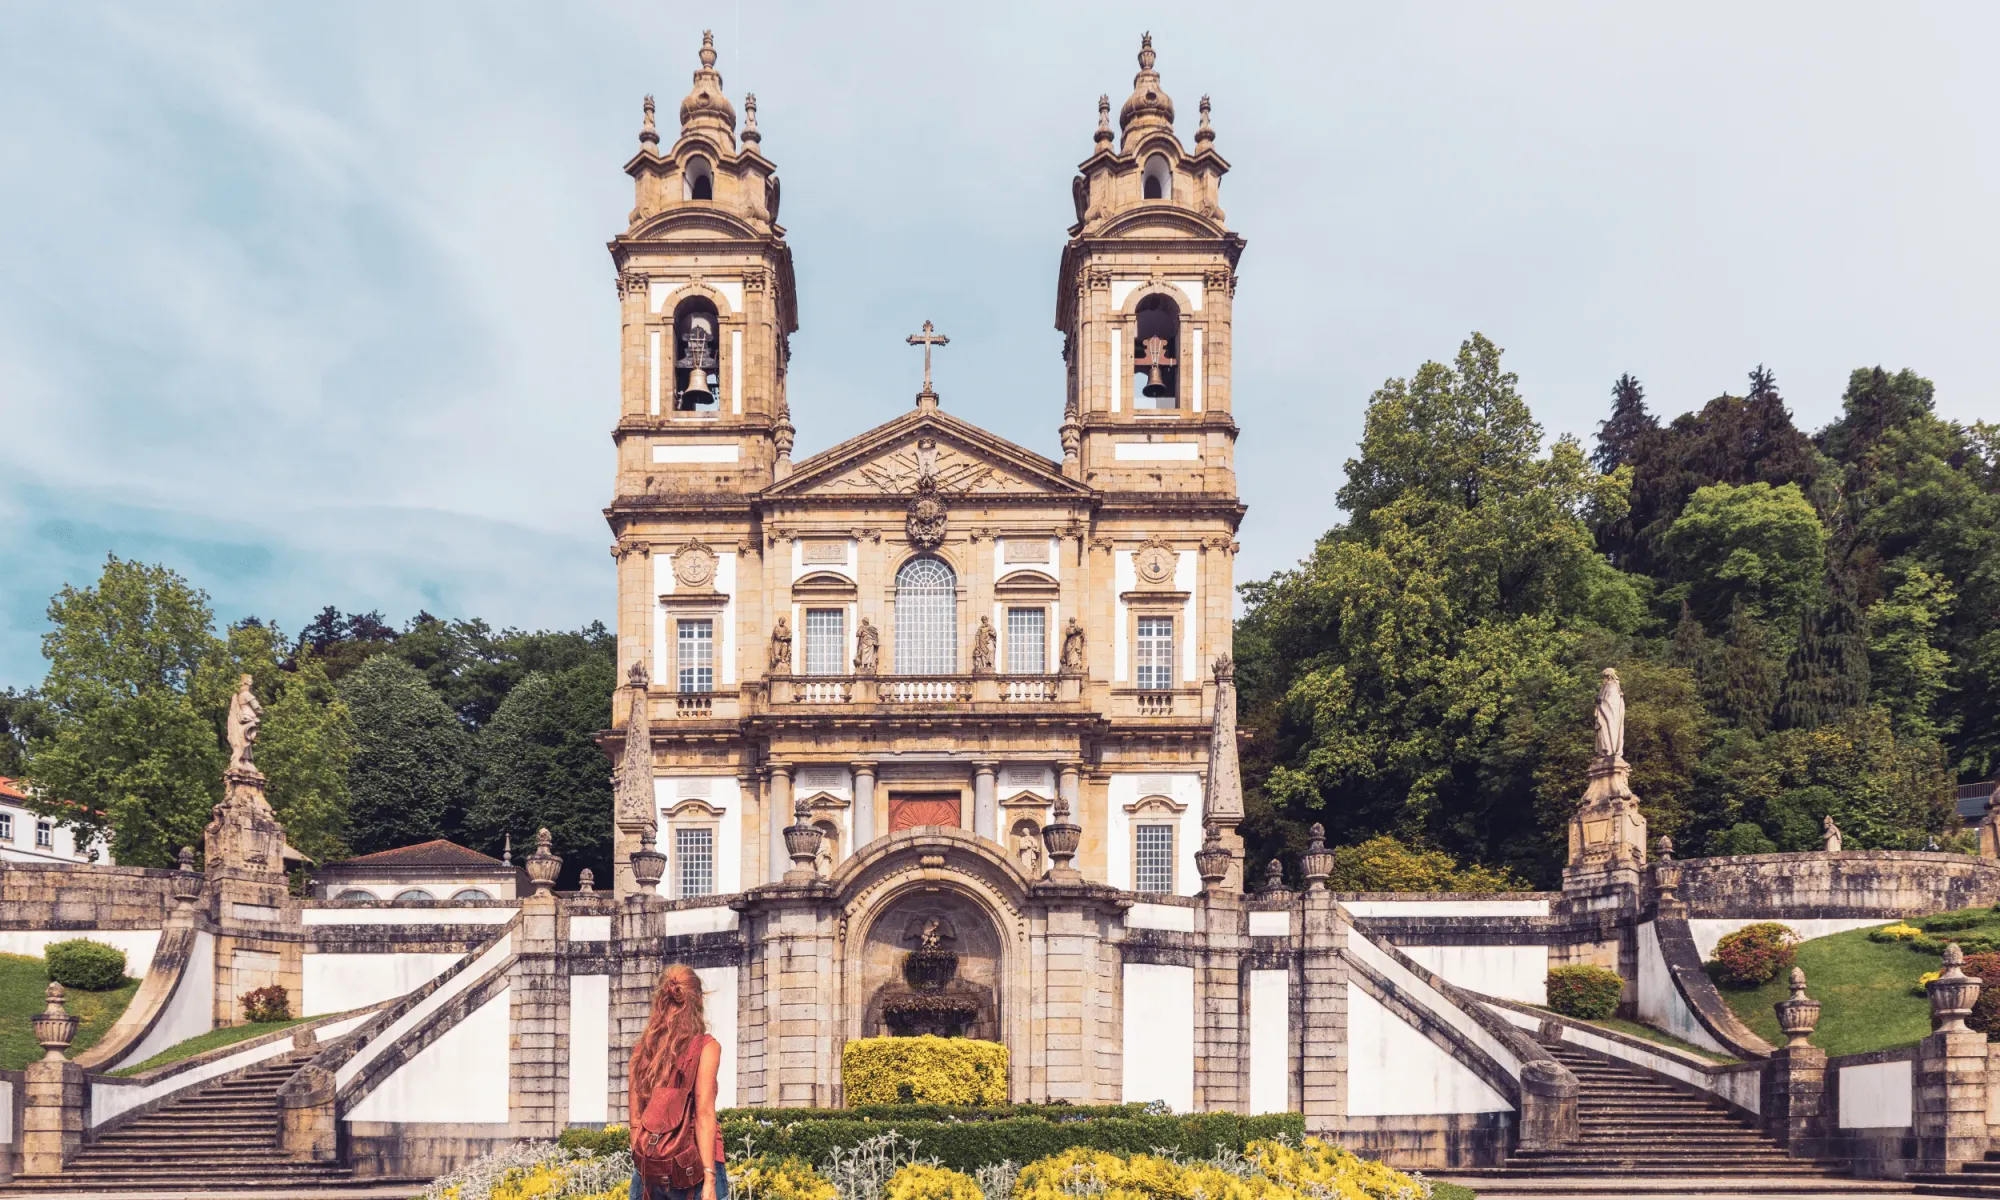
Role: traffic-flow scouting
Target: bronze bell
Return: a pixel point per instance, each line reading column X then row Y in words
column 1154, row 360
column 697, row 359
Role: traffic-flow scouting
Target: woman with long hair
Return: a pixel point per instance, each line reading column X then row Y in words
column 673, row 1055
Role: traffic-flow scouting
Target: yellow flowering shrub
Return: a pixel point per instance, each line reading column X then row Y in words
column 1902, row 932
column 924, row 1070
column 920, row 1181
column 1271, row 1170
column 537, row 1171
column 767, row 1177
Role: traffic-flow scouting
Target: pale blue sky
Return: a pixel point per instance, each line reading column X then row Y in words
column 312, row 302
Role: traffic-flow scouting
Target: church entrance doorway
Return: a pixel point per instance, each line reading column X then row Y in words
column 910, row 810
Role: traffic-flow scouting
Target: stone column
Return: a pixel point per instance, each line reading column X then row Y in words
column 1322, row 1044
column 539, row 995
column 1068, row 774
column 55, row 1095
column 864, row 802
column 778, row 811
column 1795, row 1081
column 985, row 805
column 1949, row 1093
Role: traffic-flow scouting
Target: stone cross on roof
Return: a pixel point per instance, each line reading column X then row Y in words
column 928, row 338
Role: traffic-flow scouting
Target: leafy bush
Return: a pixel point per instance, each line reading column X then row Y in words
column 82, row 963
column 1985, row 1016
column 1744, row 837
column 537, row 1171
column 1952, row 922
column 1586, row 993
column 1899, row 932
column 1385, row 864
column 1971, row 943
column 1755, row 954
column 970, row 1145
column 271, row 1003
column 1270, row 1170
column 936, row 1070
column 769, row 1177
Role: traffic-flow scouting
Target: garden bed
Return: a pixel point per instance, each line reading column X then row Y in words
column 24, row 983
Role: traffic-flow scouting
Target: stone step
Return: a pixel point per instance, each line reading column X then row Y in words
column 1939, row 1183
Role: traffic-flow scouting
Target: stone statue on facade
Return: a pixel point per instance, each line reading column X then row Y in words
column 246, row 717
column 1072, row 648
column 781, row 648
column 984, row 642
column 823, row 857
column 1610, row 717
column 1028, row 851
column 867, row 648
column 1832, row 834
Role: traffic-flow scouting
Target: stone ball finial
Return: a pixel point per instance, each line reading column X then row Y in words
column 1274, row 876
column 187, row 858
column 1663, row 849
column 1317, row 862
column 55, row 1026
column 586, row 881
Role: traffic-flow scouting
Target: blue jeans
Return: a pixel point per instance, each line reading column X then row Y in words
column 661, row 1192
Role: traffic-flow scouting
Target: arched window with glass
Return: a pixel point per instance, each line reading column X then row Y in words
column 926, row 618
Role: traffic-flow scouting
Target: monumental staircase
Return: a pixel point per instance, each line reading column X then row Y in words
column 1634, row 1127
column 216, row 1136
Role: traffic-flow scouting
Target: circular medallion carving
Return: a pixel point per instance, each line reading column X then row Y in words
column 694, row 565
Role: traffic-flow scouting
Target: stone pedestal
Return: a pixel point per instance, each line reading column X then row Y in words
column 539, row 1015
column 1794, row 1095
column 1608, row 831
column 55, row 1099
column 1949, row 1099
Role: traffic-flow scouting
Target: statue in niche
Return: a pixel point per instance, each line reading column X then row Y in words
column 823, row 857
column 1610, row 718
column 781, row 648
column 1072, row 648
column 1028, row 849
column 1832, row 834
column 984, row 642
column 246, row 717
column 867, row 648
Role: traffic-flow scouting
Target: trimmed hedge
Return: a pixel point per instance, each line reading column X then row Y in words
column 924, row 1070
column 1584, row 992
column 969, row 1145
column 82, row 963
column 1755, row 954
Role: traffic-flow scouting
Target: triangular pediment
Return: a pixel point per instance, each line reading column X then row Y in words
column 890, row 458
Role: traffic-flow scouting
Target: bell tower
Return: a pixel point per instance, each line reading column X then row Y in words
column 707, row 303
column 1143, row 302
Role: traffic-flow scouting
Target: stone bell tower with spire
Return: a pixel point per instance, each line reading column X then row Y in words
column 1143, row 301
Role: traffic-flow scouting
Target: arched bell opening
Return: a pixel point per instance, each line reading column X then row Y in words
column 697, row 180
column 696, row 366
column 1158, row 181
column 1156, row 353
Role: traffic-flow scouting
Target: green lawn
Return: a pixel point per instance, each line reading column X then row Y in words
column 23, row 986
column 1635, row 1029
column 1863, row 987
column 202, row 1043
column 1450, row 1191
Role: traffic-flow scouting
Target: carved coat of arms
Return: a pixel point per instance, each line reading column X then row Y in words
column 926, row 519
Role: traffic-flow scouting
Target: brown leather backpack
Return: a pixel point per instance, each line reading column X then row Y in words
column 664, row 1146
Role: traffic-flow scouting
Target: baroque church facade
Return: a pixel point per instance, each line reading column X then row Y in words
column 926, row 626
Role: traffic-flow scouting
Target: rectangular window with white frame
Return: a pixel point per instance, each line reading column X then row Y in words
column 1027, row 641
column 826, row 641
column 694, row 862
column 1153, row 858
column 695, row 654
column 45, row 835
column 1155, row 658
column 6, row 827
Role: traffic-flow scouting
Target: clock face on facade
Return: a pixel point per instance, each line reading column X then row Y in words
column 1155, row 565
column 694, row 566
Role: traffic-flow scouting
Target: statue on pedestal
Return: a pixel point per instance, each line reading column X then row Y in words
column 246, row 717
column 1832, row 834
column 781, row 647
column 1608, row 830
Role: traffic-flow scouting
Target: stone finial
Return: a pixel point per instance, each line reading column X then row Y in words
column 1666, row 872
column 1104, row 135
column 1798, row 1015
column 1211, row 862
column 586, row 881
column 507, row 850
column 705, row 104
column 1952, row 993
column 649, row 133
column 1148, row 106
column 648, row 867
column 1274, row 877
column 543, row 866
column 187, row 880
column 802, row 840
column 187, row 858
column 55, row 1027
column 1060, row 838
column 1205, row 135
column 1317, row 862
column 751, row 136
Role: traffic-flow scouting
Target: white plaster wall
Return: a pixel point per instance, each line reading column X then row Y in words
column 718, row 986
column 1447, row 908
column 1160, row 916
column 664, row 671
column 462, row 1076
column 589, row 1049
column 590, row 929
column 138, row 944
column 1270, row 1041
column 1270, row 924
column 331, row 983
column 1875, row 1096
column 6, row 1112
column 1159, row 1034
column 1419, row 991
column 1509, row 972
column 723, row 792
column 1393, row 1070
column 1184, row 789
column 62, row 849
column 1660, row 1002
column 406, row 916
column 714, row 918
column 189, row 1012
column 489, row 959
column 1708, row 931
column 799, row 571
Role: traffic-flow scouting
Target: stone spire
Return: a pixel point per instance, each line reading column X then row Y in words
column 1222, row 799
column 1149, row 106
column 649, row 133
column 634, row 784
column 1102, row 138
column 1204, row 136
column 753, row 138
column 706, row 108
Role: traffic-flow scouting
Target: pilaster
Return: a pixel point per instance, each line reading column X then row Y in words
column 1322, row 1045
column 1222, row 1044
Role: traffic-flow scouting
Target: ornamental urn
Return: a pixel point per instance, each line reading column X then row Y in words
column 1798, row 1015
column 1211, row 862
column 1317, row 862
column 54, row 1025
column 543, row 867
column 1952, row 993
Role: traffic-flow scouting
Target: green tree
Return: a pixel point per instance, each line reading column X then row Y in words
column 1912, row 671
column 24, row 717
column 407, row 778
column 306, row 751
column 540, row 766
column 129, row 752
column 1383, row 864
column 1748, row 675
column 1762, row 545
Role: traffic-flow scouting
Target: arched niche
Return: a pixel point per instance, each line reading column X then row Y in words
column 902, row 996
